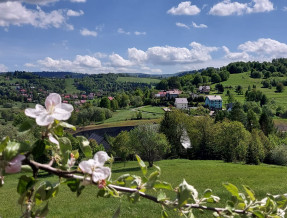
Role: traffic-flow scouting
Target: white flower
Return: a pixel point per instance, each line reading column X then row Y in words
column 71, row 161
column 14, row 166
column 55, row 109
column 95, row 166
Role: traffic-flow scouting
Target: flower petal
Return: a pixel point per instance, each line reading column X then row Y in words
column 87, row 166
column 100, row 158
column 67, row 107
column 44, row 119
column 53, row 139
column 39, row 109
column 52, row 100
column 101, row 173
column 60, row 114
column 14, row 166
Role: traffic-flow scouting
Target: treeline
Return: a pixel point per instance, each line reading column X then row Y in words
column 229, row 139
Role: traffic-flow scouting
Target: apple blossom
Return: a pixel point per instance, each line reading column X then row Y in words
column 71, row 161
column 95, row 167
column 14, row 166
column 55, row 110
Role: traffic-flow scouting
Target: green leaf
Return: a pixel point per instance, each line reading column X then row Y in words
column 134, row 197
column 42, row 212
column 76, row 154
column 59, row 130
column 258, row 214
column 85, row 146
column 4, row 143
column 26, row 125
column 73, row 184
column 207, row 193
column 233, row 190
column 25, row 183
column 66, row 148
column 161, row 196
column 162, row 185
column 67, row 125
column 164, row 214
column 142, row 165
column 38, row 148
column 186, row 192
column 11, row 150
column 152, row 179
column 250, row 192
column 117, row 213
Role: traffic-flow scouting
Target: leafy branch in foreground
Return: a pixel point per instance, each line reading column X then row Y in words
column 35, row 194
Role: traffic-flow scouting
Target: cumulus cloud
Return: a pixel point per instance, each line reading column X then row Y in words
column 37, row 2
column 173, row 55
column 79, row 1
column 72, row 13
column 226, row 7
column 235, row 56
column 118, row 61
column 137, row 33
column 265, row 46
column 182, row 25
column 86, row 32
column 14, row 13
column 81, row 64
column 198, row 26
column 136, row 55
column 184, row 8
column 3, row 68
column 121, row 31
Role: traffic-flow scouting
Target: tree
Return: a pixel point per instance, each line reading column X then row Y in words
column 266, row 123
column 252, row 121
column 149, row 143
column 219, row 88
column 172, row 126
column 121, row 145
column 105, row 103
column 255, row 152
column 215, row 78
column 239, row 90
column 279, row 87
column 197, row 79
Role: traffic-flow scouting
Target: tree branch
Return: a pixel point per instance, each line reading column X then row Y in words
column 71, row 174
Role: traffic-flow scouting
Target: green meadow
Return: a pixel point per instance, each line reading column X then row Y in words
column 245, row 80
column 201, row 174
column 138, row 80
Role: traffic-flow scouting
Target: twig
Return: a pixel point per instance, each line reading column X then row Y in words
column 68, row 175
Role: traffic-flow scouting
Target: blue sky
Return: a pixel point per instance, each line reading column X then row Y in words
column 139, row 36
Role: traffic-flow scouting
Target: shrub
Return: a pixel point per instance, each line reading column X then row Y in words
column 279, row 155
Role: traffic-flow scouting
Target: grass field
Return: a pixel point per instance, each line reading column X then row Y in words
column 70, row 88
column 201, row 174
column 244, row 80
column 138, row 80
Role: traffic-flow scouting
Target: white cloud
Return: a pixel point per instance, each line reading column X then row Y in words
column 184, row 8
column 137, row 33
column 136, row 55
column 37, row 2
column 235, row 56
column 285, row 8
column 267, row 47
column 182, row 25
column 81, row 64
column 3, row 68
column 198, row 26
column 118, row 61
column 226, row 7
column 86, row 32
column 14, row 13
column 79, row 1
column 172, row 55
column 72, row 13
column 121, row 31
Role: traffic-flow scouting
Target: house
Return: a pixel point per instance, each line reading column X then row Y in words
column 160, row 94
column 181, row 103
column 204, row 89
column 173, row 94
column 214, row 102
